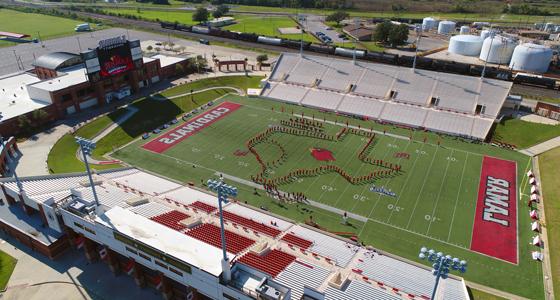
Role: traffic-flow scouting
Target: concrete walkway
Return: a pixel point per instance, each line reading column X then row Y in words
column 71, row 276
column 239, row 91
column 542, row 147
column 131, row 111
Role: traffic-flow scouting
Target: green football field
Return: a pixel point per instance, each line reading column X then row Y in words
column 430, row 201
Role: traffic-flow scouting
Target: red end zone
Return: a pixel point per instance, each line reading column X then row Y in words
column 495, row 223
column 191, row 127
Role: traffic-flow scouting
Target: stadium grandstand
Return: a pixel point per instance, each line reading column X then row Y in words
column 167, row 235
column 449, row 103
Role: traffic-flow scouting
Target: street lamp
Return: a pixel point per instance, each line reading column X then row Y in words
column 442, row 264
column 223, row 191
column 87, row 146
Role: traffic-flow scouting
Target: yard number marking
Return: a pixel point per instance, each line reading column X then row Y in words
column 394, row 207
column 328, row 188
column 360, row 197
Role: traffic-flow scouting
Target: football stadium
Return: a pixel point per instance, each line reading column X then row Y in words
column 327, row 182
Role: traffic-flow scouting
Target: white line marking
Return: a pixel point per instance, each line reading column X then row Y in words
column 457, row 200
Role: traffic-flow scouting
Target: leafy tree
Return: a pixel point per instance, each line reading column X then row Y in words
column 398, row 35
column 221, row 11
column 262, row 58
column 200, row 15
column 337, row 17
column 24, row 124
column 40, row 115
column 381, row 33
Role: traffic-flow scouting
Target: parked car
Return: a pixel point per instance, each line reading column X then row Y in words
column 204, row 41
column 156, row 131
column 145, row 135
column 174, row 121
column 164, row 126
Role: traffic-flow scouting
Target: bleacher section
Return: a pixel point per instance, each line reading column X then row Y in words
column 150, row 209
column 300, row 274
column 248, row 223
column 207, row 208
column 342, row 86
column 171, row 219
column 258, row 243
column 397, row 274
column 210, row 234
column 337, row 250
column 297, row 241
column 272, row 263
column 359, row 290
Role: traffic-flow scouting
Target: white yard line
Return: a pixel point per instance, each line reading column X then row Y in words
column 458, row 194
column 422, row 188
column 432, row 219
column 406, row 182
column 366, row 187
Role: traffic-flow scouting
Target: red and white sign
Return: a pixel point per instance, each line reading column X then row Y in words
column 191, row 127
column 495, row 225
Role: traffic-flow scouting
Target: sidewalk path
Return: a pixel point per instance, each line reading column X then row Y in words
column 542, row 147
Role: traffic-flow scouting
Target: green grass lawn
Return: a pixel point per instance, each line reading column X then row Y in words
column 524, row 134
column 62, row 157
column 35, row 25
column 549, row 164
column 7, row 265
column 436, row 192
column 267, row 25
column 480, row 295
column 242, row 82
column 183, row 17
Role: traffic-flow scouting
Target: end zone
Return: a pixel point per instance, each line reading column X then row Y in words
column 191, row 127
column 495, row 225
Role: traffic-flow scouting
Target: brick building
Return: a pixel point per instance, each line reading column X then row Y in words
column 59, row 86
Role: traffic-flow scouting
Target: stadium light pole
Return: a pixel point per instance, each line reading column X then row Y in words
column 418, row 30
column 87, row 146
column 223, row 190
column 442, row 264
column 492, row 35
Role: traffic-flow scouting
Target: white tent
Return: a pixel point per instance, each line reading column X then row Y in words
column 533, row 181
column 537, row 255
column 530, row 173
column 535, row 197
column 533, row 214
column 534, row 190
column 535, row 226
column 536, row 241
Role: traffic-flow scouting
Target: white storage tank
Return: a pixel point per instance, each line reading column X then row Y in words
column 464, row 29
column 531, row 57
column 549, row 27
column 484, row 34
column 497, row 50
column 469, row 45
column 446, row 27
column 428, row 23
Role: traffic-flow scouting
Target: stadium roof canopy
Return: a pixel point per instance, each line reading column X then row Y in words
column 450, row 103
column 57, row 60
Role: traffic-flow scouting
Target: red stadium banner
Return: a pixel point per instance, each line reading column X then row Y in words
column 495, row 224
column 190, row 128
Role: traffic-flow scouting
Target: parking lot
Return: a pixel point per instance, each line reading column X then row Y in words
column 314, row 24
column 27, row 53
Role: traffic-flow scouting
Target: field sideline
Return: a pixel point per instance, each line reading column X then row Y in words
column 435, row 195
